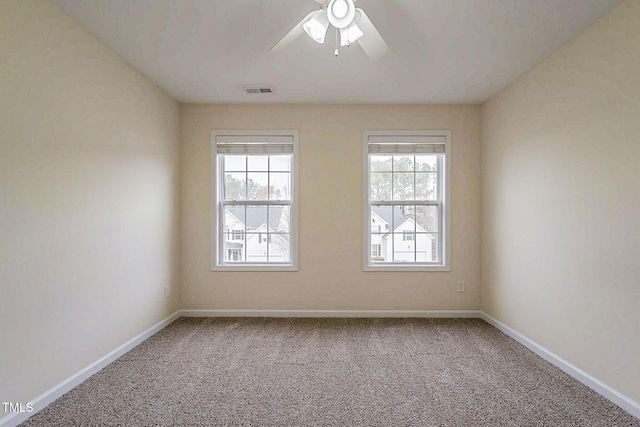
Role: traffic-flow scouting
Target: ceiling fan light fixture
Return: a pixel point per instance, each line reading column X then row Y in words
column 341, row 12
column 353, row 23
column 350, row 34
column 316, row 27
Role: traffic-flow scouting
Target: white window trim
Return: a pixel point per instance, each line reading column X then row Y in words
column 445, row 265
column 216, row 253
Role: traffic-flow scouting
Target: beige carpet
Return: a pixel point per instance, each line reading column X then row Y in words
column 331, row 372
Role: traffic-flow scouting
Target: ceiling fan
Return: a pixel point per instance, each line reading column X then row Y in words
column 351, row 22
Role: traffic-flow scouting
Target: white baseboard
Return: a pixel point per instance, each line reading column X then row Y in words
column 334, row 313
column 65, row 386
column 598, row 386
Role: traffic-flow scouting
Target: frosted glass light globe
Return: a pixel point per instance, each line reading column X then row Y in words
column 341, row 12
column 340, row 8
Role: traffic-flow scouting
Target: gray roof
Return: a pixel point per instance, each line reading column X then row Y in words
column 387, row 213
column 254, row 218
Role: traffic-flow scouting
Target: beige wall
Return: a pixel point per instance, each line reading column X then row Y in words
column 561, row 202
column 89, row 176
column 88, row 200
column 330, row 181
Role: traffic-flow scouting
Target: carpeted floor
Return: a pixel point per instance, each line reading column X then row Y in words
column 331, row 372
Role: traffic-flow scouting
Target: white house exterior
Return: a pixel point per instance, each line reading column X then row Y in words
column 256, row 241
column 408, row 242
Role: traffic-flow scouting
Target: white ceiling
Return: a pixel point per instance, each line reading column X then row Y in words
column 442, row 51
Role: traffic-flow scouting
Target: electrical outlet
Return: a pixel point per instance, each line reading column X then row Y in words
column 460, row 286
column 167, row 291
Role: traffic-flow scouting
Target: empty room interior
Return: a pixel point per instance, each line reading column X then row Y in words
column 301, row 212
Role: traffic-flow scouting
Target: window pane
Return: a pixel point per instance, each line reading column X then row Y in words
column 376, row 249
column 234, row 217
column 279, row 247
column 424, row 247
column 403, row 250
column 279, row 219
column 435, row 247
column 235, row 163
column 380, row 186
column 403, row 163
column 404, row 227
column 233, row 233
column 426, row 186
column 258, row 163
column 280, row 163
column 426, row 163
column 256, row 247
column 427, row 218
column 403, row 187
column 235, row 186
column 381, row 218
column 280, row 187
column 256, row 219
column 407, row 233
column 257, row 184
column 380, row 163
column 403, row 218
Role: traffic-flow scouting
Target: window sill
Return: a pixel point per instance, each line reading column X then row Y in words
column 255, row 267
column 400, row 267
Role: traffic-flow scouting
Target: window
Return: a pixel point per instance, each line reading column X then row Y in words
column 254, row 191
column 376, row 250
column 264, row 238
column 407, row 182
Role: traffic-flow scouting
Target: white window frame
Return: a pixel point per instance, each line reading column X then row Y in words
column 414, row 141
column 267, row 137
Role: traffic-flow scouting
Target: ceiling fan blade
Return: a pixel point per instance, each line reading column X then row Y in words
column 322, row 2
column 371, row 42
column 291, row 35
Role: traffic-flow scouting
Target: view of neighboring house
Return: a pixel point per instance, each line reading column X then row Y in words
column 408, row 241
column 255, row 234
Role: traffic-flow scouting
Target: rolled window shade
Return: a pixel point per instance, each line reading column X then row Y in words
column 406, row 148
column 254, row 144
column 391, row 144
column 407, row 139
column 255, row 148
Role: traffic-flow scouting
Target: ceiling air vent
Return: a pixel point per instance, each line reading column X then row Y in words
column 258, row 89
